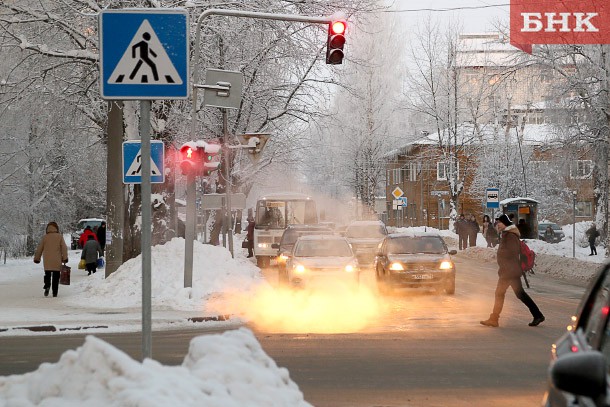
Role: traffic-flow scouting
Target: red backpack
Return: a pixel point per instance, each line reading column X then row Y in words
column 527, row 257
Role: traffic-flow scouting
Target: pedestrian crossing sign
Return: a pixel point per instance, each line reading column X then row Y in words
column 132, row 162
column 144, row 54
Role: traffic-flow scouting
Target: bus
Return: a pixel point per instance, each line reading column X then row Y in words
column 274, row 212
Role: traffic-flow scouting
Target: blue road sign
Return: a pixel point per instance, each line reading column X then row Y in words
column 144, row 54
column 403, row 200
column 132, row 162
column 493, row 198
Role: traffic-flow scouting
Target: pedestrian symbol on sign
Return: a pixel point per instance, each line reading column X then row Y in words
column 136, row 66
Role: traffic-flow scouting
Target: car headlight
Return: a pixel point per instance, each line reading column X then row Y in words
column 282, row 258
column 264, row 245
column 299, row 268
column 446, row 265
column 395, row 266
column 350, row 268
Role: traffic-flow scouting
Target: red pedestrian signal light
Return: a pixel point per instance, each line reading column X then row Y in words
column 335, row 42
column 190, row 160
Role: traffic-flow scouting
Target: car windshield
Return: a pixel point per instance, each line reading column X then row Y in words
column 290, row 236
column 366, row 231
column 83, row 224
column 553, row 226
column 323, row 248
column 410, row 245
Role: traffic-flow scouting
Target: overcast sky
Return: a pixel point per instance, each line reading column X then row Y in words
column 474, row 15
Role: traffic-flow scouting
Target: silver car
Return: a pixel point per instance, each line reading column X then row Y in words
column 364, row 236
column 317, row 260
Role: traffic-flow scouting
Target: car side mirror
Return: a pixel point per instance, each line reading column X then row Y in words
column 275, row 245
column 452, row 252
column 582, row 373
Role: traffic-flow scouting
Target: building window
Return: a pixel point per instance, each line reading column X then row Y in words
column 581, row 169
column 397, row 175
column 411, row 171
column 584, row 209
column 444, row 170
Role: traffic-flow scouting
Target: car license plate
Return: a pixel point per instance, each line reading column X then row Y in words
column 422, row 276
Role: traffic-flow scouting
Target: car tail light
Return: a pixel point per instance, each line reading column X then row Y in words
column 574, row 348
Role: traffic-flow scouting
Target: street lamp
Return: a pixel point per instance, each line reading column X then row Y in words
column 573, row 224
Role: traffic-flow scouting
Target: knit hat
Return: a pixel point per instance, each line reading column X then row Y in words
column 504, row 219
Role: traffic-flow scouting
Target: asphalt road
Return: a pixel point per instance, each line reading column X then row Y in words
column 420, row 349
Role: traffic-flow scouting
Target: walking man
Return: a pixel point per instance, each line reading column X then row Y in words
column 592, row 233
column 509, row 273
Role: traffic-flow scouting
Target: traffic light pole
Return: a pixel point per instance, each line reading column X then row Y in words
column 228, row 218
column 189, row 229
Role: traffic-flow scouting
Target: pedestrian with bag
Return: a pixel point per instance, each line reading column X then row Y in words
column 85, row 236
column 54, row 252
column 250, row 236
column 592, row 234
column 509, row 274
column 90, row 253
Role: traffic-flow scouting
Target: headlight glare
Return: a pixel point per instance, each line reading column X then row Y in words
column 350, row 268
column 396, row 267
column 446, row 265
column 299, row 268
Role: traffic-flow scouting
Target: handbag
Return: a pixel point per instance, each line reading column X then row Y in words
column 64, row 275
column 81, row 264
column 245, row 244
column 100, row 263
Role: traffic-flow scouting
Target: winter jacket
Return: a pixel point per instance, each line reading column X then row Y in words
column 250, row 231
column 101, row 235
column 592, row 233
column 85, row 236
column 461, row 227
column 52, row 248
column 509, row 250
column 91, row 249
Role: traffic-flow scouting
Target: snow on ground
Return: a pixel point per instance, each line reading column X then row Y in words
column 223, row 370
column 214, row 272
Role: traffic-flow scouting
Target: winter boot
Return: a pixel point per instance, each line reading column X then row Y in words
column 492, row 321
column 537, row 320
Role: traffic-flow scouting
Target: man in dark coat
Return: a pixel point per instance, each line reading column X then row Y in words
column 461, row 228
column 250, row 236
column 101, row 236
column 509, row 273
column 592, row 233
column 473, row 231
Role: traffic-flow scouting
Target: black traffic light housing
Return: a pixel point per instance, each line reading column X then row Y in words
column 335, row 42
column 209, row 166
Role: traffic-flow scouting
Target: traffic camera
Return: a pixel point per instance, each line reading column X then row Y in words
column 335, row 42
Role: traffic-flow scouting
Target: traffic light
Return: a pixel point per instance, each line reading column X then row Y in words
column 335, row 42
column 190, row 158
column 209, row 166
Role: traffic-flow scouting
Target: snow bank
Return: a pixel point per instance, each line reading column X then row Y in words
column 214, row 271
column 224, row 370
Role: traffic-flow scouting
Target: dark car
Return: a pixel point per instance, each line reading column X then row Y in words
column 579, row 364
column 364, row 236
column 419, row 260
column 289, row 237
column 558, row 234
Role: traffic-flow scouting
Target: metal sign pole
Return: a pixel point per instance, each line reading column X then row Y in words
column 145, row 106
column 189, row 229
column 228, row 218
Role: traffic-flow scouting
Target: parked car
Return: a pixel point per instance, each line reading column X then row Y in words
column 579, row 367
column 415, row 260
column 559, row 235
column 80, row 228
column 289, row 238
column 364, row 237
column 318, row 260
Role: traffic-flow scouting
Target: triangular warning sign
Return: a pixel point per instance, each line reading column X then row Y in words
column 145, row 61
column 135, row 169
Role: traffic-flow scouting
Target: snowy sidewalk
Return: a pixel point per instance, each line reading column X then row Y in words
column 95, row 304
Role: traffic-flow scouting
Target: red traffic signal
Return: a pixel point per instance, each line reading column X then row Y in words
column 190, row 159
column 335, row 42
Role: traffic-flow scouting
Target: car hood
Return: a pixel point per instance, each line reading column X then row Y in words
column 418, row 258
column 324, row 262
